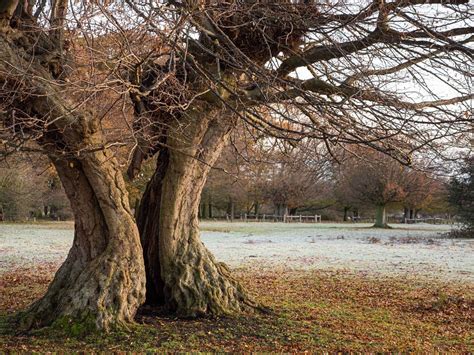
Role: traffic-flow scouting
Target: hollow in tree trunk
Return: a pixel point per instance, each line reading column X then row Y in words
column 380, row 217
column 191, row 282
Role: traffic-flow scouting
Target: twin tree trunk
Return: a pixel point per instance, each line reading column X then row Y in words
column 102, row 282
column 181, row 273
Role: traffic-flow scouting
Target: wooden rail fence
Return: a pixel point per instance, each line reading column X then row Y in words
column 276, row 218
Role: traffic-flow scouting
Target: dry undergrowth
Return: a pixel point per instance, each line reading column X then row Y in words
column 313, row 310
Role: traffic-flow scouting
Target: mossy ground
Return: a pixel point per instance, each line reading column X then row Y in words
column 313, row 310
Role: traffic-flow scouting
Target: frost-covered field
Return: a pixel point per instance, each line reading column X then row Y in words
column 417, row 250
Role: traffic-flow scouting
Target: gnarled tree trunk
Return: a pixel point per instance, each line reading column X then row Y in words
column 102, row 282
column 191, row 282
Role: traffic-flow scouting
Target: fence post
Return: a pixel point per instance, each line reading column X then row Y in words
column 284, row 218
column 301, row 220
column 263, row 218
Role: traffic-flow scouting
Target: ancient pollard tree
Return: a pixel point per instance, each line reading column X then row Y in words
column 389, row 75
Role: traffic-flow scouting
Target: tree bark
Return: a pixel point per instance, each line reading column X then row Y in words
column 380, row 217
column 101, row 283
column 192, row 282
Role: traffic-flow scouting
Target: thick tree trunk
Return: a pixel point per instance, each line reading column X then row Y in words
column 195, row 283
column 192, row 282
column 380, row 217
column 102, row 282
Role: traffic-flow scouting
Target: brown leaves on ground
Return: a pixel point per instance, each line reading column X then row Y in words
column 20, row 288
column 313, row 310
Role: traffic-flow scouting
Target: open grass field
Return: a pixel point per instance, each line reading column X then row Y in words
column 331, row 287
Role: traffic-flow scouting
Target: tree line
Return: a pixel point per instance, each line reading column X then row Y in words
column 255, row 178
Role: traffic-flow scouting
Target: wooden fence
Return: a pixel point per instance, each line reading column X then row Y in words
column 433, row 220
column 276, row 218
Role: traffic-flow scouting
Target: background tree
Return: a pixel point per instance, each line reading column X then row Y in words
column 419, row 187
column 376, row 180
column 461, row 195
column 294, row 178
column 55, row 202
column 342, row 189
column 29, row 188
column 20, row 191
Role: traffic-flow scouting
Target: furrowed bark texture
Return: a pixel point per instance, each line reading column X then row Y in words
column 102, row 282
column 193, row 283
